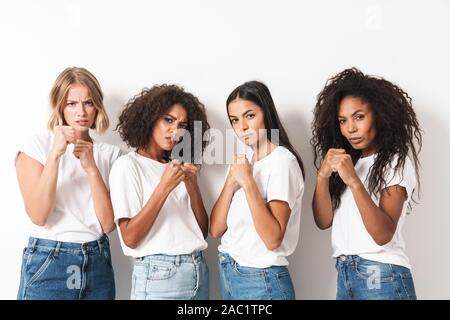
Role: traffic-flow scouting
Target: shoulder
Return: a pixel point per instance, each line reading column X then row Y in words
column 41, row 138
column 285, row 160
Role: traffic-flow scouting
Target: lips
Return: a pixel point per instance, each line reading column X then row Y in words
column 81, row 122
column 355, row 140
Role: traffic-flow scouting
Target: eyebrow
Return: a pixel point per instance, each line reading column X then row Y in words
column 88, row 99
column 355, row 112
column 249, row 110
column 174, row 118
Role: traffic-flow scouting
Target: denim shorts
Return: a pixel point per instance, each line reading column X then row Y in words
column 174, row 277
column 363, row 279
column 245, row 283
column 55, row 270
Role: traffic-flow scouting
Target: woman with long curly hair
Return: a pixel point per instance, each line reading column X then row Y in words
column 365, row 131
column 157, row 202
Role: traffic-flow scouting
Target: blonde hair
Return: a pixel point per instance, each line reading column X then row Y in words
column 61, row 87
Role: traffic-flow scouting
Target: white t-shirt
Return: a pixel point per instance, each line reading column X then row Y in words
column 73, row 218
column 175, row 231
column 278, row 177
column 350, row 236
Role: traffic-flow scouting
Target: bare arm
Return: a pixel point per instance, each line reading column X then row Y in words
column 135, row 229
column 270, row 219
column 38, row 186
column 38, row 182
column 322, row 208
column 219, row 212
column 380, row 221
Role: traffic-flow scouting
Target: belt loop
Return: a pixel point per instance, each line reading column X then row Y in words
column 33, row 245
column 177, row 260
column 100, row 245
column 58, row 245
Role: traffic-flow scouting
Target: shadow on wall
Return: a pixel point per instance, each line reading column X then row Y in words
column 426, row 228
column 311, row 265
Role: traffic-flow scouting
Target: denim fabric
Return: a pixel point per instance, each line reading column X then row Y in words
column 55, row 270
column 362, row 279
column 179, row 277
column 245, row 283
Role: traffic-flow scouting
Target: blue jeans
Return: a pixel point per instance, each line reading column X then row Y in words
column 246, row 283
column 178, row 277
column 363, row 279
column 55, row 270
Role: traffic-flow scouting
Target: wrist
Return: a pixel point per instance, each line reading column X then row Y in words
column 322, row 176
column 249, row 184
column 355, row 184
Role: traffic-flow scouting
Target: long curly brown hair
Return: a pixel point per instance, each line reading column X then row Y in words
column 143, row 110
column 398, row 131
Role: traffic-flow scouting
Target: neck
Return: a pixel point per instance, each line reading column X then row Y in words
column 153, row 152
column 263, row 149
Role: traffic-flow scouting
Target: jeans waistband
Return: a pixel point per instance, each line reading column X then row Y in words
column 71, row 247
column 176, row 259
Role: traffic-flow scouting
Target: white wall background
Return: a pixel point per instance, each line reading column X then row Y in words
column 210, row 47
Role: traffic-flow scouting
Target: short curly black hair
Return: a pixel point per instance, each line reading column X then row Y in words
column 143, row 110
column 396, row 123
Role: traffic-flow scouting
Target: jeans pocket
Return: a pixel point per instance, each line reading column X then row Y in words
column 285, row 283
column 248, row 272
column 161, row 270
column 408, row 285
column 37, row 263
column 374, row 272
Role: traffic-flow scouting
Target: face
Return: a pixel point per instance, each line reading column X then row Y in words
column 79, row 111
column 169, row 127
column 247, row 120
column 357, row 125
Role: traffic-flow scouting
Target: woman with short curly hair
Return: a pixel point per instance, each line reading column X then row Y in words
column 363, row 130
column 157, row 202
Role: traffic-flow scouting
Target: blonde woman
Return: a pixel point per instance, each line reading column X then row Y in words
column 63, row 175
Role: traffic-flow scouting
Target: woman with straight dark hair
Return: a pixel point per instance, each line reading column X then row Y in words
column 258, row 211
column 364, row 128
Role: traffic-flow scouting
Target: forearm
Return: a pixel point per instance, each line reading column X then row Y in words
column 141, row 224
column 198, row 207
column 378, row 224
column 102, row 201
column 219, row 212
column 42, row 198
column 266, row 225
column 322, row 207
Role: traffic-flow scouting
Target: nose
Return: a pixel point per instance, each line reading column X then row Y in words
column 81, row 110
column 243, row 126
column 351, row 127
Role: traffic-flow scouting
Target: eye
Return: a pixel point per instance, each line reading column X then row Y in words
column 250, row 116
column 168, row 120
column 359, row 116
column 341, row 121
column 89, row 103
column 184, row 126
column 71, row 104
column 233, row 121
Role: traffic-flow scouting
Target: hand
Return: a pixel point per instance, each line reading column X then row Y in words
column 190, row 174
column 84, row 151
column 63, row 135
column 326, row 170
column 343, row 165
column 172, row 175
column 241, row 170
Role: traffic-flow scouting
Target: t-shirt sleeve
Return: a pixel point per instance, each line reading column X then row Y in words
column 36, row 147
column 285, row 182
column 125, row 189
column 404, row 177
